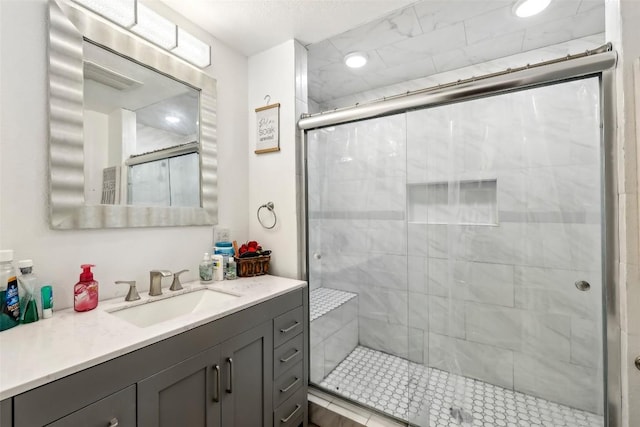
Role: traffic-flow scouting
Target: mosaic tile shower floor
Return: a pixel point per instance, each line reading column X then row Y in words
column 381, row 381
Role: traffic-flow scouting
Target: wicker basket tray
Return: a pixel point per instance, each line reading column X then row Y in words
column 255, row 266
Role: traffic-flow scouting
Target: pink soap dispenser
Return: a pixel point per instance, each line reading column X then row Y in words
column 85, row 292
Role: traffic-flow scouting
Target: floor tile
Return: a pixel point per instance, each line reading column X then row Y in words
column 430, row 397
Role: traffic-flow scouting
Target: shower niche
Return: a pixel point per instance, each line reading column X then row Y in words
column 471, row 202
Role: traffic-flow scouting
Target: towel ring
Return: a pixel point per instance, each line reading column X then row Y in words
column 269, row 206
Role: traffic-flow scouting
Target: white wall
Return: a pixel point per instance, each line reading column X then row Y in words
column 622, row 17
column 272, row 176
column 119, row 254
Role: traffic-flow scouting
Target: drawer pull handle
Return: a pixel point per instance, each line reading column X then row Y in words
column 216, row 397
column 287, row 388
column 295, row 353
column 286, row 420
column 290, row 328
column 114, row 422
column 230, row 363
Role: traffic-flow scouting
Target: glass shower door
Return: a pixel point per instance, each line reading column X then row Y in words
column 504, row 259
column 357, row 262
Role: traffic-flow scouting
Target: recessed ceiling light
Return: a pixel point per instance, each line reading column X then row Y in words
column 526, row 8
column 355, row 60
column 172, row 119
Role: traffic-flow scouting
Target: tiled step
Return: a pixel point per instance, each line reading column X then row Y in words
column 334, row 329
column 323, row 300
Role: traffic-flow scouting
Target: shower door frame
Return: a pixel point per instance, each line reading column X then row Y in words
column 600, row 64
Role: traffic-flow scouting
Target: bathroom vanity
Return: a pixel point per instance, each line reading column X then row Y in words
column 243, row 365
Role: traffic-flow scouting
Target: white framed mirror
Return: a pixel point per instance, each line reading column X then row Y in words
column 132, row 129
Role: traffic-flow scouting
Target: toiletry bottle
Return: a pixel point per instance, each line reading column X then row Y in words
column 85, row 292
column 218, row 267
column 9, row 299
column 29, row 282
column 231, row 269
column 226, row 250
column 47, row 301
column 206, row 269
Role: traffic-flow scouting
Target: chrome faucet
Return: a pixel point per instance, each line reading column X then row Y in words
column 155, row 286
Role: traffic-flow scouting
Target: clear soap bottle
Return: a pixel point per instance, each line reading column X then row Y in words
column 31, row 310
column 206, row 269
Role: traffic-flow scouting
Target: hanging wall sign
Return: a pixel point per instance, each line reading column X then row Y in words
column 268, row 129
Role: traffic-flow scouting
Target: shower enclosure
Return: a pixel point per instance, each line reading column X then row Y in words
column 455, row 259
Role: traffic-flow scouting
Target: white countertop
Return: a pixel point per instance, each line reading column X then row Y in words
column 38, row 353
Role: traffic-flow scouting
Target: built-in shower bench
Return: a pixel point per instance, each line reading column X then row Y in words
column 334, row 329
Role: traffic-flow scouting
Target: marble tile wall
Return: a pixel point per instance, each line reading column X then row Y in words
column 493, row 302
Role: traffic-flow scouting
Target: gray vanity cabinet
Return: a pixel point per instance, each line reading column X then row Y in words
column 6, row 413
column 114, row 410
column 219, row 374
column 185, row 394
column 246, row 377
column 226, row 385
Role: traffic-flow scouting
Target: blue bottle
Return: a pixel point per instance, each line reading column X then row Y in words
column 9, row 298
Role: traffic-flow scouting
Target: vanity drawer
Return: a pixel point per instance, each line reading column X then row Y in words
column 287, row 355
column 291, row 412
column 287, row 384
column 287, row 326
column 117, row 409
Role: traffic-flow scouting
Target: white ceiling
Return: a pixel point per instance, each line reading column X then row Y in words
column 252, row 26
column 405, row 39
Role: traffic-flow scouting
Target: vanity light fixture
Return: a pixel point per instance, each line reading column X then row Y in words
column 155, row 28
column 527, row 8
column 192, row 49
column 122, row 12
column 356, row 60
column 144, row 22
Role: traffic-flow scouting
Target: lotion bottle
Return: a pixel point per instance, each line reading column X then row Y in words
column 218, row 267
column 85, row 292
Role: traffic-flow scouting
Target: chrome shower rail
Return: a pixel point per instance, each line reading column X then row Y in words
column 571, row 66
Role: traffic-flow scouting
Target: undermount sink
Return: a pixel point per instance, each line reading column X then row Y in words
column 160, row 310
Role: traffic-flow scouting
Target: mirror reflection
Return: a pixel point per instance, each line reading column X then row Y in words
column 141, row 134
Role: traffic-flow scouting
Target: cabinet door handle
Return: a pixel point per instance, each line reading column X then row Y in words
column 287, row 388
column 114, row 422
column 286, row 420
column 230, row 364
column 290, row 357
column 290, row 328
column 216, row 397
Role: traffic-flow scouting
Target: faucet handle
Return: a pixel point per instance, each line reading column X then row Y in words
column 163, row 273
column 132, row 295
column 176, row 285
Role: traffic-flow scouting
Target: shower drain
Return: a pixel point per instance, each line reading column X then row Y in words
column 460, row 415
